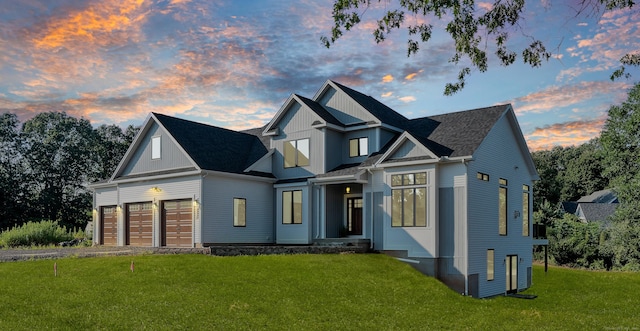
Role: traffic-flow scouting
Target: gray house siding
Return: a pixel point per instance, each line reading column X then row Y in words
column 419, row 242
column 499, row 157
column 299, row 234
column 171, row 156
column 106, row 196
column 169, row 189
column 408, row 150
column 344, row 108
column 371, row 136
column 296, row 124
column 217, row 210
column 334, row 150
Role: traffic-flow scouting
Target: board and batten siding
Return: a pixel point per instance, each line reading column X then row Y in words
column 407, row 150
column 417, row 241
column 104, row 196
column 296, row 124
column 217, row 210
column 499, row 156
column 171, row 156
column 175, row 188
column 343, row 108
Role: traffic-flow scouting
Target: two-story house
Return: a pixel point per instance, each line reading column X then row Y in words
column 451, row 194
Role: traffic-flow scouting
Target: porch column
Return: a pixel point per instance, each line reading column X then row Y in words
column 322, row 212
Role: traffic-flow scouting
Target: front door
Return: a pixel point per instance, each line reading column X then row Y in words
column 512, row 273
column 354, row 216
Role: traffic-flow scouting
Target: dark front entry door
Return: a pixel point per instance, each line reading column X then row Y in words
column 512, row 273
column 354, row 216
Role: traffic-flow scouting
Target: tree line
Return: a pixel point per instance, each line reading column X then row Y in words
column 567, row 173
column 47, row 163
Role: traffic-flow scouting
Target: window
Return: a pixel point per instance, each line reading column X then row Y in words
column 409, row 204
column 358, row 147
column 502, row 214
column 490, row 264
column 296, row 153
column 482, row 176
column 155, row 148
column 239, row 212
column 292, row 207
column 525, row 210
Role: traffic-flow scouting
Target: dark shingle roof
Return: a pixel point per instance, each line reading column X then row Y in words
column 597, row 211
column 321, row 111
column 569, row 207
column 376, row 108
column 214, row 148
column 603, row 196
column 455, row 134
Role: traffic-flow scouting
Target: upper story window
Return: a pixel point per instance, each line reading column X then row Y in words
column 409, row 200
column 296, row 153
column 358, row 147
column 155, row 148
column 482, row 176
column 239, row 212
column 502, row 207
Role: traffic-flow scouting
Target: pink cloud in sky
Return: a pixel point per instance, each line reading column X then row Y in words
column 564, row 134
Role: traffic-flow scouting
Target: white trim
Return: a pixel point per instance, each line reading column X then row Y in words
column 399, row 142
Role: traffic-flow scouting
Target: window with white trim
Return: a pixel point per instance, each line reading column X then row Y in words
column 296, row 153
column 156, row 148
column 239, row 212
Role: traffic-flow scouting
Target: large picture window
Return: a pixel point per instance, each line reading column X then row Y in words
column 239, row 212
column 296, row 153
column 292, row 207
column 408, row 202
column 525, row 210
column 502, row 206
column 358, row 147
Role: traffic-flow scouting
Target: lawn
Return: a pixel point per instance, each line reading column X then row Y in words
column 313, row 292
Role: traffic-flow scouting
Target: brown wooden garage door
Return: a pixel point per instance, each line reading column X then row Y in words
column 109, row 226
column 177, row 220
column 139, row 224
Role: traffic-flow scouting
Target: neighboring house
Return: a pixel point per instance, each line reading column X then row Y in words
column 597, row 206
column 451, row 193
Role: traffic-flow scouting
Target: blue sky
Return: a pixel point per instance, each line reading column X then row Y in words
column 233, row 63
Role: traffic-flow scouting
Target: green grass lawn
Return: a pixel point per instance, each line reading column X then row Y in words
column 317, row 292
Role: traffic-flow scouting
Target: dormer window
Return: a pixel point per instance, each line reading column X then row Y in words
column 155, row 148
column 296, row 153
column 359, row 147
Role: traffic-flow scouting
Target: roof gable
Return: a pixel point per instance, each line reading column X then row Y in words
column 214, row 148
column 322, row 116
column 407, row 148
column 139, row 152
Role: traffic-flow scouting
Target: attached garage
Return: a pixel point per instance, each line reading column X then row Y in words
column 108, row 226
column 177, row 223
column 139, row 219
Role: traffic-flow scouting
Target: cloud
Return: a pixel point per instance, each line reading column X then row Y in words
column 386, row 94
column 411, row 76
column 564, row 134
column 555, row 97
column 407, row 99
column 387, row 79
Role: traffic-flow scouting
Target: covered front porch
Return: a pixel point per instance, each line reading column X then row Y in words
column 341, row 213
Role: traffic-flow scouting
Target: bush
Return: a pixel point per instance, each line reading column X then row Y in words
column 37, row 234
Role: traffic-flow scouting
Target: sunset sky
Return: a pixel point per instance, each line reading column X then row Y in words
column 233, row 63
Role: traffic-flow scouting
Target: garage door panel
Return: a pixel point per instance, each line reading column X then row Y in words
column 140, row 224
column 177, row 223
column 109, row 226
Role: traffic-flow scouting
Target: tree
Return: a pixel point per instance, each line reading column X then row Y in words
column 59, row 156
column 470, row 29
column 583, row 171
column 12, row 194
column 621, row 147
column 111, row 146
